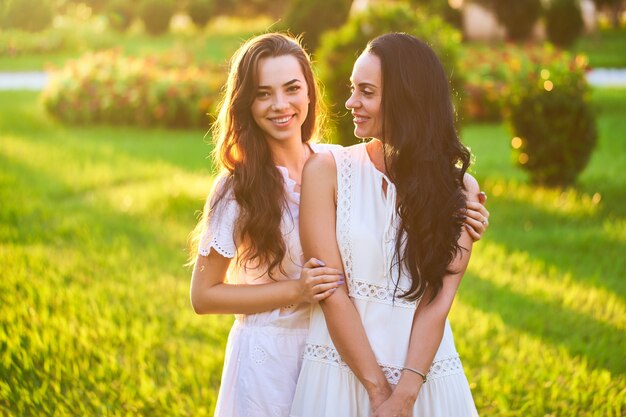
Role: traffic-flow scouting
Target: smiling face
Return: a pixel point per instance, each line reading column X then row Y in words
column 365, row 102
column 281, row 101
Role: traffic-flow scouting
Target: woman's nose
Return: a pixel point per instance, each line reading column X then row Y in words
column 352, row 102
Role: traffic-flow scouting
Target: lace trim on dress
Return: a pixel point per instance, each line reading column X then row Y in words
column 204, row 250
column 357, row 289
column 368, row 291
column 440, row 368
column 344, row 203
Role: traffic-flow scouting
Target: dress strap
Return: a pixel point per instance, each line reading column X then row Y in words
column 345, row 188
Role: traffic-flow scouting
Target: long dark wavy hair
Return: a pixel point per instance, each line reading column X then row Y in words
column 424, row 158
column 244, row 157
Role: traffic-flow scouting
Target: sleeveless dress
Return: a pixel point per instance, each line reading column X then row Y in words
column 264, row 351
column 366, row 229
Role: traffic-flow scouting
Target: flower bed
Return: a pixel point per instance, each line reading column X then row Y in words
column 110, row 88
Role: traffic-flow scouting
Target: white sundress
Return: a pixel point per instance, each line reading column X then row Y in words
column 264, row 351
column 366, row 231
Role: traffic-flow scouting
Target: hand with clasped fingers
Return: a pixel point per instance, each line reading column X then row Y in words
column 401, row 401
column 318, row 282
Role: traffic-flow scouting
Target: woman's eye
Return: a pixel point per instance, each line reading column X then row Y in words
column 262, row 94
column 367, row 93
column 293, row 88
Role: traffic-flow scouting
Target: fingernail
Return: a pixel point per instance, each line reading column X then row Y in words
column 333, row 290
column 320, row 263
column 341, row 282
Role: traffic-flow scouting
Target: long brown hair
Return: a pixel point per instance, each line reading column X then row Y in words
column 244, row 157
column 424, row 158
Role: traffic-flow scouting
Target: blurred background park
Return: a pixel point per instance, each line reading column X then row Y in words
column 103, row 168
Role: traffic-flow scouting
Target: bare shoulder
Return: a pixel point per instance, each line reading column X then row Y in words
column 320, row 168
column 471, row 187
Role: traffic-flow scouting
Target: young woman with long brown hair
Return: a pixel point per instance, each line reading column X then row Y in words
column 249, row 261
column 265, row 132
column 384, row 212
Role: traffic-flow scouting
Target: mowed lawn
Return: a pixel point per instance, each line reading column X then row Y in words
column 94, row 306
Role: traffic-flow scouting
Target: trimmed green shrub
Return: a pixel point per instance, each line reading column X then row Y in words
column 109, row 88
column 564, row 22
column 340, row 48
column 156, row 15
column 312, row 18
column 491, row 74
column 276, row 9
column 553, row 123
column 200, row 11
column 443, row 9
column 614, row 8
column 2, row 12
column 517, row 16
column 29, row 15
column 557, row 136
column 121, row 14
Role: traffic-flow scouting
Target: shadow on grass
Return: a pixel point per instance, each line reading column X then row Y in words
column 581, row 335
column 574, row 244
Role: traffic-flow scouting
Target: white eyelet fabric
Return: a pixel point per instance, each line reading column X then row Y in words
column 264, row 350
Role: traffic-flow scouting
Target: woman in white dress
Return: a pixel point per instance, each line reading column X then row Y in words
column 264, row 135
column 384, row 212
column 249, row 256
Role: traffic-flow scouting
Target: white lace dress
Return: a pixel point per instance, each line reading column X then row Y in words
column 264, row 351
column 366, row 230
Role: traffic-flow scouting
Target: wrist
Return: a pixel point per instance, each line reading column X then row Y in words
column 408, row 387
column 296, row 294
column 377, row 387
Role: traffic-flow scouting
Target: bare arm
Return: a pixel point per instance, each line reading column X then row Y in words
column 318, row 237
column 210, row 294
column 428, row 326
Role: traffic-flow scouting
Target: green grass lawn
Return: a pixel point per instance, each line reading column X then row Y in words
column 606, row 48
column 94, row 310
column 214, row 46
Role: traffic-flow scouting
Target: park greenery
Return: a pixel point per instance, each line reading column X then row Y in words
column 98, row 194
column 94, row 293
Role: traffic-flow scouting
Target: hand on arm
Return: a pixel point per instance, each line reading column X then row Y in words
column 476, row 217
column 318, row 237
column 428, row 326
column 211, row 295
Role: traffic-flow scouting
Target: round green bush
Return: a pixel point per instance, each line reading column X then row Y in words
column 29, row 15
column 120, row 14
column 200, row 11
column 156, row 15
column 312, row 18
column 558, row 135
column 564, row 22
column 340, row 48
column 517, row 16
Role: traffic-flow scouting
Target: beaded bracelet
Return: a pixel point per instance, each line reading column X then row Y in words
column 416, row 372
